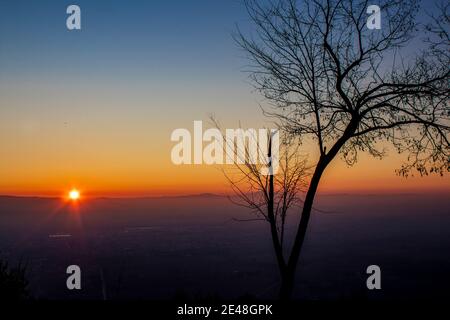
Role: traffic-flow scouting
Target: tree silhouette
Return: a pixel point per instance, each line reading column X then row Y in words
column 13, row 282
column 269, row 194
column 331, row 79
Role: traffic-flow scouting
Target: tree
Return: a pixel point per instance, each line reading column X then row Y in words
column 349, row 89
column 270, row 193
column 13, row 282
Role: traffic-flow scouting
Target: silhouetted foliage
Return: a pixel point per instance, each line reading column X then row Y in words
column 13, row 282
column 330, row 79
column 270, row 191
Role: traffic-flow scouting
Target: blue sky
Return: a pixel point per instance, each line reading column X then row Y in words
column 145, row 37
column 99, row 105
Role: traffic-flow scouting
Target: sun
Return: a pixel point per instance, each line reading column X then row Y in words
column 74, row 194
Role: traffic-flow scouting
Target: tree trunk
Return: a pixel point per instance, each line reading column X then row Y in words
column 288, row 277
column 271, row 215
column 287, row 282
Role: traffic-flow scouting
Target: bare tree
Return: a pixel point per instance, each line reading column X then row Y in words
column 268, row 193
column 271, row 196
column 329, row 77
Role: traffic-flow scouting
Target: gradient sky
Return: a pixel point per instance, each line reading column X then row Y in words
column 95, row 108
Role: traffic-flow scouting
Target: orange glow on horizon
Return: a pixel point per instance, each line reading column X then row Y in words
column 136, row 177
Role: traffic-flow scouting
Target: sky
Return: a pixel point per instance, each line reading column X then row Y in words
column 94, row 108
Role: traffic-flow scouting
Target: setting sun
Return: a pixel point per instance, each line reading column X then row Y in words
column 74, row 194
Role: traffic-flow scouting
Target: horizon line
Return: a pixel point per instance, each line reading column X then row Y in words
column 224, row 195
